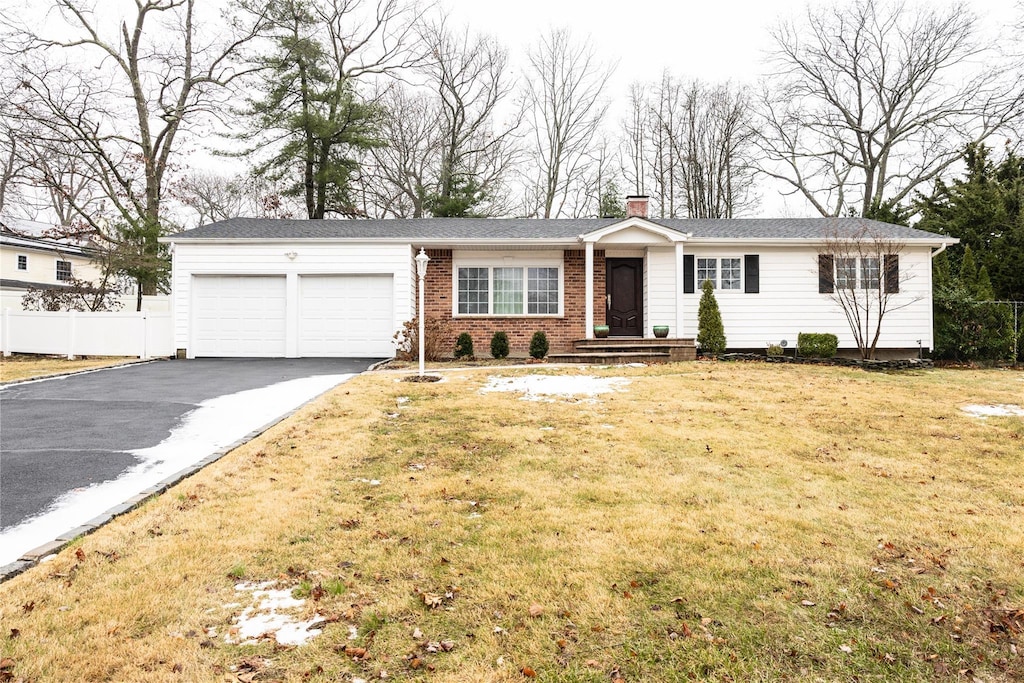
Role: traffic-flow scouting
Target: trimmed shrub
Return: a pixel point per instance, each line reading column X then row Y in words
column 710, row 331
column 499, row 345
column 539, row 345
column 464, row 346
column 817, row 344
column 775, row 350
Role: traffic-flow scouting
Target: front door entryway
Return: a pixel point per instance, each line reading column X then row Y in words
column 625, row 296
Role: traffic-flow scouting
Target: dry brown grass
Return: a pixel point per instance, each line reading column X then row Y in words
column 19, row 366
column 711, row 522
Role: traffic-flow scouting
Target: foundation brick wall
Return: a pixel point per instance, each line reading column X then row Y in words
column 561, row 332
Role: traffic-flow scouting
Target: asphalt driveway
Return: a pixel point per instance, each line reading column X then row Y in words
column 68, row 433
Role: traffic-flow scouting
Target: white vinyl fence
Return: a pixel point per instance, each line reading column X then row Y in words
column 73, row 333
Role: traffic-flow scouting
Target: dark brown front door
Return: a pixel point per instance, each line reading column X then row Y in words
column 625, row 285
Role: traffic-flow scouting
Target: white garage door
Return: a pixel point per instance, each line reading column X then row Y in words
column 346, row 315
column 238, row 316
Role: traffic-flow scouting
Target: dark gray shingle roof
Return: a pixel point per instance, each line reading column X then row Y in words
column 502, row 229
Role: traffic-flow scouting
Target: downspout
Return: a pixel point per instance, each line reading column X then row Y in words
column 941, row 249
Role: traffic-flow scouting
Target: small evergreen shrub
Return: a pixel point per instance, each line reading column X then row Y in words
column 499, row 345
column 464, row 346
column 710, row 331
column 539, row 345
column 817, row 344
column 775, row 350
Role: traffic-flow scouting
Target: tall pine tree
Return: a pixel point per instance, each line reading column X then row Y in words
column 984, row 210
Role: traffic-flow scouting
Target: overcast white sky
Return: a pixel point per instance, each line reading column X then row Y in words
column 708, row 39
column 713, row 40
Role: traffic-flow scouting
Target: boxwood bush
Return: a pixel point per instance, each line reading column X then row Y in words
column 539, row 345
column 464, row 346
column 817, row 344
column 499, row 345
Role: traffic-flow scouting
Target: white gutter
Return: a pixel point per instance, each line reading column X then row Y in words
column 941, row 249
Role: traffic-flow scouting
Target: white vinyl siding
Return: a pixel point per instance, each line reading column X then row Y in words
column 789, row 302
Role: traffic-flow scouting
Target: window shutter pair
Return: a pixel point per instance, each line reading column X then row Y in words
column 826, row 273
column 751, row 274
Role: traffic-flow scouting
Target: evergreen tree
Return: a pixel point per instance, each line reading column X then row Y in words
column 984, row 210
column 710, row 331
column 611, row 202
column 310, row 107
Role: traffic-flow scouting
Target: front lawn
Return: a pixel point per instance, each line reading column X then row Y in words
column 700, row 521
column 20, row 366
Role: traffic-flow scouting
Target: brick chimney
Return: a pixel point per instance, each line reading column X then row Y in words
column 636, row 206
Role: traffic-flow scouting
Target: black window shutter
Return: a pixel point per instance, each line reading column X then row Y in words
column 751, row 273
column 892, row 273
column 826, row 280
column 688, row 274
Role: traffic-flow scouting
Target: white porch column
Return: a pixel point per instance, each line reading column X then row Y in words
column 679, row 289
column 589, row 267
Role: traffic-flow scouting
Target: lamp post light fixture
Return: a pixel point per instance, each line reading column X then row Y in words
column 421, row 271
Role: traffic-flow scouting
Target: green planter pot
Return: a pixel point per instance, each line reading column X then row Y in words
column 601, row 331
column 661, row 331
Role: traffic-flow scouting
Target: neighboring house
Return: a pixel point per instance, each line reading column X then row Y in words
column 293, row 288
column 33, row 255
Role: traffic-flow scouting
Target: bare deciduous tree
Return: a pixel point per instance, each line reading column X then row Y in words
column 870, row 100
column 860, row 271
column 566, row 106
column 690, row 145
column 116, row 93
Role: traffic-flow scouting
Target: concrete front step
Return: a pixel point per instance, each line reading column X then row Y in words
column 631, row 347
column 611, row 357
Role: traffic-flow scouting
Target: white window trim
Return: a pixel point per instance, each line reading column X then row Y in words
column 490, row 260
column 717, row 282
column 56, row 270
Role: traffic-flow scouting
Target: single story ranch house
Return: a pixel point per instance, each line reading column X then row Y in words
column 295, row 288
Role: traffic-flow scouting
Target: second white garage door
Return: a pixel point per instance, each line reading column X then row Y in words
column 346, row 315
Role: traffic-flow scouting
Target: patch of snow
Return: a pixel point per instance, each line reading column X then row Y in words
column 371, row 482
column 213, row 425
column 267, row 617
column 997, row 410
column 402, row 400
column 542, row 387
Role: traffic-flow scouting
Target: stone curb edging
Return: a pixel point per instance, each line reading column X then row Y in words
column 38, row 555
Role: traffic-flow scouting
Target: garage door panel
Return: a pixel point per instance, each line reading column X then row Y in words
column 239, row 316
column 346, row 315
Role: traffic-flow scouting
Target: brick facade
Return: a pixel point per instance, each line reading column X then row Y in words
column 561, row 332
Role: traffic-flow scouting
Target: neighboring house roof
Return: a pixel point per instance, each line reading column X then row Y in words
column 512, row 229
column 24, row 284
column 26, row 234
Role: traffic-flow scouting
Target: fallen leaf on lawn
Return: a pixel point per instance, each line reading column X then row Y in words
column 536, row 610
column 79, row 554
column 528, row 672
column 593, row 664
column 807, row 603
column 417, row 634
column 447, row 645
column 432, row 600
column 846, row 648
